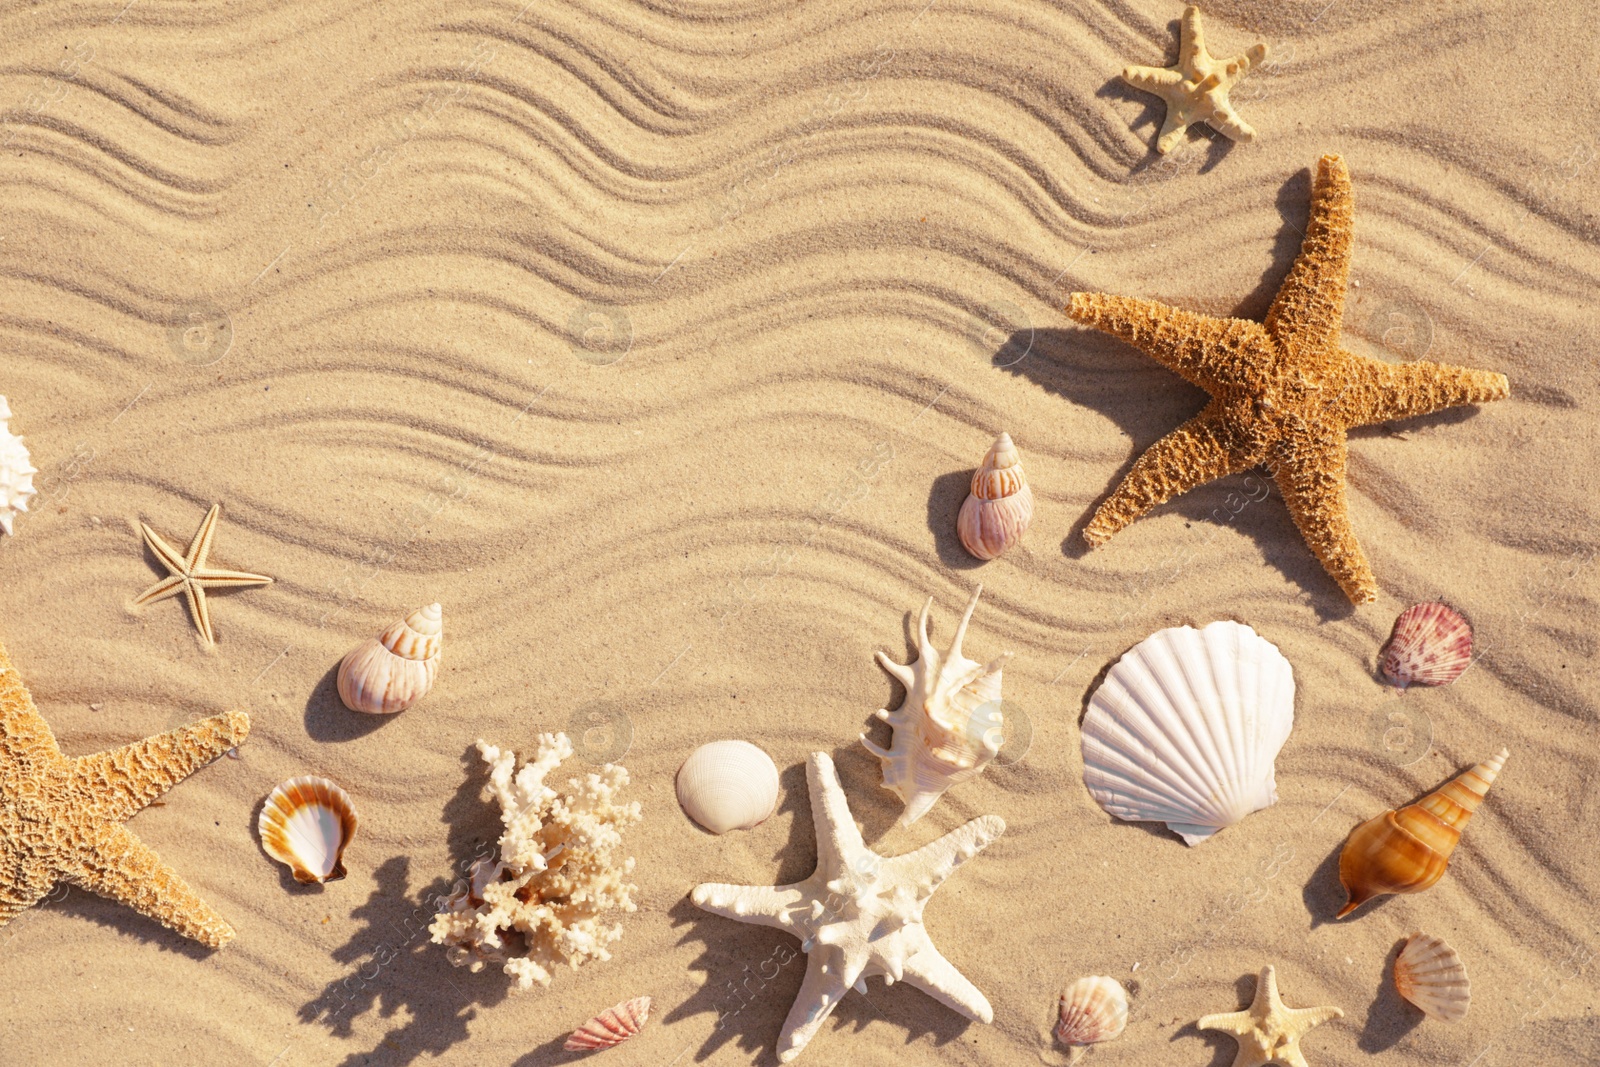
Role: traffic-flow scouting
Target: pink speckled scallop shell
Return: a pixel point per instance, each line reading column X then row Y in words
column 1431, row 645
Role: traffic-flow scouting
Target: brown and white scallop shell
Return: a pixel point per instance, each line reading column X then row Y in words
column 1431, row 645
column 1430, row 975
column 397, row 668
column 999, row 508
column 306, row 824
column 1092, row 1010
column 611, row 1027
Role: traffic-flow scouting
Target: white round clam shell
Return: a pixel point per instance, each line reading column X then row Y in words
column 728, row 785
column 1185, row 728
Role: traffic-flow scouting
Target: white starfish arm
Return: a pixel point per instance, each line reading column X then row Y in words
column 166, row 587
column 930, row 865
column 1173, row 127
column 170, row 557
column 1152, row 79
column 936, row 976
column 219, row 579
column 200, row 547
column 778, row 906
column 200, row 610
column 826, row 982
column 1191, row 40
column 1226, row 121
column 838, row 840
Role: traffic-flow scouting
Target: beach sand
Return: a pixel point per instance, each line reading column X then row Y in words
column 657, row 342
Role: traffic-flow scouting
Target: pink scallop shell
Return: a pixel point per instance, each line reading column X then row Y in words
column 1431, row 645
column 611, row 1027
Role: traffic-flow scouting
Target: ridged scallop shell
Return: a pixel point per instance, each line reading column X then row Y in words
column 16, row 472
column 396, row 669
column 1092, row 1010
column 1430, row 975
column 306, row 824
column 948, row 728
column 1408, row 849
column 999, row 508
column 728, row 785
column 1185, row 728
column 1431, row 645
column 611, row 1027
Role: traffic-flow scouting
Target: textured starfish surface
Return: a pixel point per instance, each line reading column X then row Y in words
column 61, row 819
column 1196, row 90
column 187, row 573
column 1283, row 392
column 1268, row 1031
column 859, row 914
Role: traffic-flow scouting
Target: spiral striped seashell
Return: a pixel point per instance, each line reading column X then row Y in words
column 1000, row 506
column 1430, row 974
column 16, row 472
column 1408, row 850
column 1431, row 645
column 306, row 824
column 1092, row 1010
column 611, row 1027
column 396, row 669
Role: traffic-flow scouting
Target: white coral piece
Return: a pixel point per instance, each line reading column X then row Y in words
column 556, row 874
column 16, row 472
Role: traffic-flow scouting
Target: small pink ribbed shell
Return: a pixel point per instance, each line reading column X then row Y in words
column 1431, row 645
column 1092, row 1010
column 611, row 1027
column 999, row 508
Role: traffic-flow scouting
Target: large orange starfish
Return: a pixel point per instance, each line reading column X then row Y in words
column 61, row 819
column 1283, row 392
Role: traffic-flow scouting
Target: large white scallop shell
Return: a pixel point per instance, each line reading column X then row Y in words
column 16, row 472
column 999, row 508
column 1092, row 1010
column 1430, row 975
column 611, row 1027
column 728, row 785
column 948, row 728
column 306, row 824
column 1185, row 728
column 396, row 669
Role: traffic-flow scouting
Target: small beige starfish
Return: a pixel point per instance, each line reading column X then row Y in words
column 189, row 574
column 1196, row 90
column 1268, row 1031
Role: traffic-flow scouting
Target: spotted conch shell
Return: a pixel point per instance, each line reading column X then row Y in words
column 997, row 512
column 611, row 1027
column 396, row 669
column 948, row 728
column 16, row 472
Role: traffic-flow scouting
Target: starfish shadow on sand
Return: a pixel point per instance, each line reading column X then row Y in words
column 1145, row 125
column 394, row 965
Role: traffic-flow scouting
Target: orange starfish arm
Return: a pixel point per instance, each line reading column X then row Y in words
column 1305, row 316
column 1211, row 353
column 1310, row 473
column 1381, row 391
column 122, row 781
column 1195, row 453
column 122, row 867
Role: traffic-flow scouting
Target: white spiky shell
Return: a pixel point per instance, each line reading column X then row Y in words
column 394, row 670
column 1092, row 1010
column 1430, row 975
column 948, row 728
column 728, row 785
column 999, row 508
column 306, row 824
column 611, row 1027
column 16, row 472
column 1185, row 728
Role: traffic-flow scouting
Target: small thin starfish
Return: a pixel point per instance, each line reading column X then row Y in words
column 859, row 914
column 61, row 819
column 1283, row 392
column 1269, row 1031
column 189, row 574
column 1196, row 90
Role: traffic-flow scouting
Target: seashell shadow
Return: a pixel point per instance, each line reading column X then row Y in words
column 389, row 965
column 1389, row 1016
column 326, row 717
column 944, row 504
column 1324, row 894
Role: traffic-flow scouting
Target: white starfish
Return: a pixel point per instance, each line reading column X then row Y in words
column 859, row 914
column 1196, row 89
